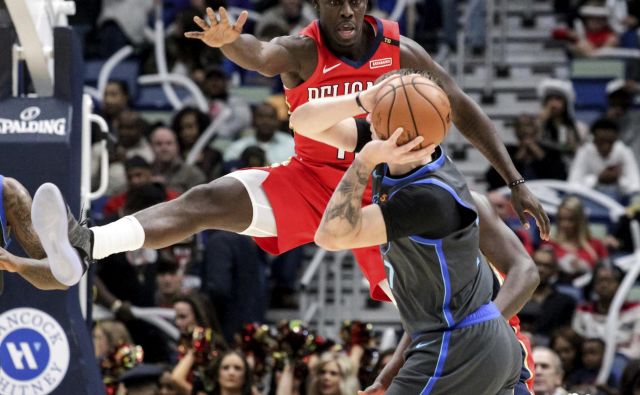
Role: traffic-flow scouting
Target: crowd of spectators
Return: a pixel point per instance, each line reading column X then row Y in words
column 220, row 284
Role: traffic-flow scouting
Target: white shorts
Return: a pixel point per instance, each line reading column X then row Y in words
column 263, row 223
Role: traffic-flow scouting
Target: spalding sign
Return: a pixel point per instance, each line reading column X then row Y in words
column 28, row 121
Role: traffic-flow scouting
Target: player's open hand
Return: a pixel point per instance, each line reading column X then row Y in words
column 388, row 151
column 218, row 32
column 523, row 202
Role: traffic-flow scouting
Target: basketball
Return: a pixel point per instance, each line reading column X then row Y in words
column 416, row 104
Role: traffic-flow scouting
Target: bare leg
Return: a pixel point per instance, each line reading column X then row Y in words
column 221, row 204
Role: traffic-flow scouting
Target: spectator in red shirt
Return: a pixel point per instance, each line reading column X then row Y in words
column 576, row 250
column 138, row 173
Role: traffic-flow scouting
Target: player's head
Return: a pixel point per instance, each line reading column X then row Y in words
column 342, row 21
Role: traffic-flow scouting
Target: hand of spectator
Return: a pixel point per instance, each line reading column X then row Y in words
column 610, row 175
column 374, row 389
column 523, row 202
column 217, row 33
column 124, row 312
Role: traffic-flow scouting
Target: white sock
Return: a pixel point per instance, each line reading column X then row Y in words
column 125, row 234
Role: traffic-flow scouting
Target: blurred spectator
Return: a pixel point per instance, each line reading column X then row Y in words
column 278, row 145
column 606, row 164
column 548, row 308
column 166, row 383
column 168, row 167
column 144, row 379
column 619, row 108
column 630, row 382
column 234, row 279
column 110, row 341
column 568, row 345
column 189, row 123
column 138, row 174
column 169, row 277
column 560, row 129
column 623, row 240
column 130, row 130
column 122, row 22
column 186, row 55
column 230, row 375
column 290, row 16
column 592, row 34
column 252, row 156
column 115, row 100
column 548, row 378
column 333, row 374
column 216, row 89
column 584, row 379
column 532, row 159
column 576, row 250
column 590, row 318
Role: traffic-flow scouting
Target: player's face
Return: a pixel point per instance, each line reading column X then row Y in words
column 342, row 20
column 231, row 372
column 330, row 379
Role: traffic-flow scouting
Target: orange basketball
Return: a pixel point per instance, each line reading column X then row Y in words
column 416, row 104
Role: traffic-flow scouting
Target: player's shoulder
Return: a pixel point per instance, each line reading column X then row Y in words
column 296, row 42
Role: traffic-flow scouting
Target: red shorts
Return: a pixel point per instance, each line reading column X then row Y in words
column 298, row 193
column 527, row 374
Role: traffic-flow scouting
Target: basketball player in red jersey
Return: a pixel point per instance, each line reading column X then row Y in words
column 343, row 51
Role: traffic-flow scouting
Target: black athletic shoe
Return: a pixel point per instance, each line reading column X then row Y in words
column 67, row 244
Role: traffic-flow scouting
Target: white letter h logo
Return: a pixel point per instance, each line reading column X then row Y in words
column 18, row 355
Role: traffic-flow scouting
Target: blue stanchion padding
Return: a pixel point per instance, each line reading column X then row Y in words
column 45, row 343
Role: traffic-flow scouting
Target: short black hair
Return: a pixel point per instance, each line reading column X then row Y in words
column 408, row 71
column 122, row 84
column 604, row 123
column 136, row 162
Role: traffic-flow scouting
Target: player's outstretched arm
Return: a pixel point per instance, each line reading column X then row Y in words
column 330, row 119
column 17, row 206
column 504, row 250
column 267, row 58
column 478, row 129
column 345, row 223
column 36, row 272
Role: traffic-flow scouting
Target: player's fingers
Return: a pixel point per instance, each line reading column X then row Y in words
column 431, row 148
column 396, row 135
column 412, row 144
column 197, row 35
column 213, row 20
column 242, row 19
column 224, row 17
column 522, row 217
column 200, row 22
column 542, row 220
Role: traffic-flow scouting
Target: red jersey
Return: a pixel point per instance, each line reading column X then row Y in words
column 336, row 76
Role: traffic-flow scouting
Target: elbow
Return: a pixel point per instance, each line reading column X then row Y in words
column 532, row 276
column 326, row 241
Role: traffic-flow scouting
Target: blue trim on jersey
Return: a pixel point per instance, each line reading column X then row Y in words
column 442, row 356
column 3, row 217
column 429, row 167
column 392, row 273
column 444, row 271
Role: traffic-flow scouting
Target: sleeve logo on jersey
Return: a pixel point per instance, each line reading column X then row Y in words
column 380, row 63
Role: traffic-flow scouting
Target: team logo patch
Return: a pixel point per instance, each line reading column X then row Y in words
column 380, row 63
column 34, row 352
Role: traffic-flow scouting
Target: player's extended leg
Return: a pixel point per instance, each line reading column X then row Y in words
column 222, row 204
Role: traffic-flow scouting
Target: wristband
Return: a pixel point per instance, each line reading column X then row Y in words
column 359, row 103
column 516, row 182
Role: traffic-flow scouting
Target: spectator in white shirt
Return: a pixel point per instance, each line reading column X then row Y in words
column 278, row 145
column 606, row 163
